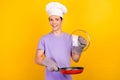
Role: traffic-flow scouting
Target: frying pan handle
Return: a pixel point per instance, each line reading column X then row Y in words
column 59, row 69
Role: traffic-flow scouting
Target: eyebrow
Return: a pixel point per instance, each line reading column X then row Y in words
column 52, row 19
column 56, row 18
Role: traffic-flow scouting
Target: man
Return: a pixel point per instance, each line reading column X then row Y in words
column 57, row 46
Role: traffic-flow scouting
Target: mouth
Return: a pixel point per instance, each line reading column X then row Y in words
column 54, row 26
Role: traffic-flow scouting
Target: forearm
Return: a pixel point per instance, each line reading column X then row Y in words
column 76, row 53
column 39, row 60
column 49, row 63
column 75, row 57
column 39, row 57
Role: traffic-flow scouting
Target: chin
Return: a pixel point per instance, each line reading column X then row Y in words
column 55, row 29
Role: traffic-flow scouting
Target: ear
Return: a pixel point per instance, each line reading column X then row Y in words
column 62, row 20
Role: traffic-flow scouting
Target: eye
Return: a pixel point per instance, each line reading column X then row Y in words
column 51, row 19
column 57, row 19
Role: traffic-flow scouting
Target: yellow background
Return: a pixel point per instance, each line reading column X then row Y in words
column 23, row 22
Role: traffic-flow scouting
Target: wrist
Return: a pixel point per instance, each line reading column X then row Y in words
column 77, row 50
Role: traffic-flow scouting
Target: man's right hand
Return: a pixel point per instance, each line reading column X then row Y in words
column 50, row 64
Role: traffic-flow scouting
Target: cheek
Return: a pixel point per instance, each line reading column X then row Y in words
column 50, row 22
column 59, row 22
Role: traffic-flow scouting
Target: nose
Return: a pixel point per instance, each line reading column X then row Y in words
column 54, row 22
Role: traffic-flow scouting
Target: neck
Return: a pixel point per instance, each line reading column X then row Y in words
column 57, row 32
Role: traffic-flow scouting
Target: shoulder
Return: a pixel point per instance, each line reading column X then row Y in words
column 66, row 34
column 46, row 36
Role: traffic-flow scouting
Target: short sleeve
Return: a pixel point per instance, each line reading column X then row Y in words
column 41, row 44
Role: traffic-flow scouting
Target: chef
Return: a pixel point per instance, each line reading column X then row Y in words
column 57, row 46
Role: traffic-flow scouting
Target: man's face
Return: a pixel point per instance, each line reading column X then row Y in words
column 55, row 22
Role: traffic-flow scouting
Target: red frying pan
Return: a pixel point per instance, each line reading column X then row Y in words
column 71, row 70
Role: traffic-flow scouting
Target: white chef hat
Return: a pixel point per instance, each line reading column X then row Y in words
column 55, row 8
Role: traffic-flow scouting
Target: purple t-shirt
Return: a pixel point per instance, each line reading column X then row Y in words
column 58, row 48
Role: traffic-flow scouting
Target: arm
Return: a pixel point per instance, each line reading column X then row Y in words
column 39, row 56
column 49, row 63
column 77, row 47
column 75, row 57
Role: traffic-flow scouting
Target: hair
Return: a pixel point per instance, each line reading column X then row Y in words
column 60, row 18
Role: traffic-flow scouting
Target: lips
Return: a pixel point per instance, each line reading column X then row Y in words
column 54, row 26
